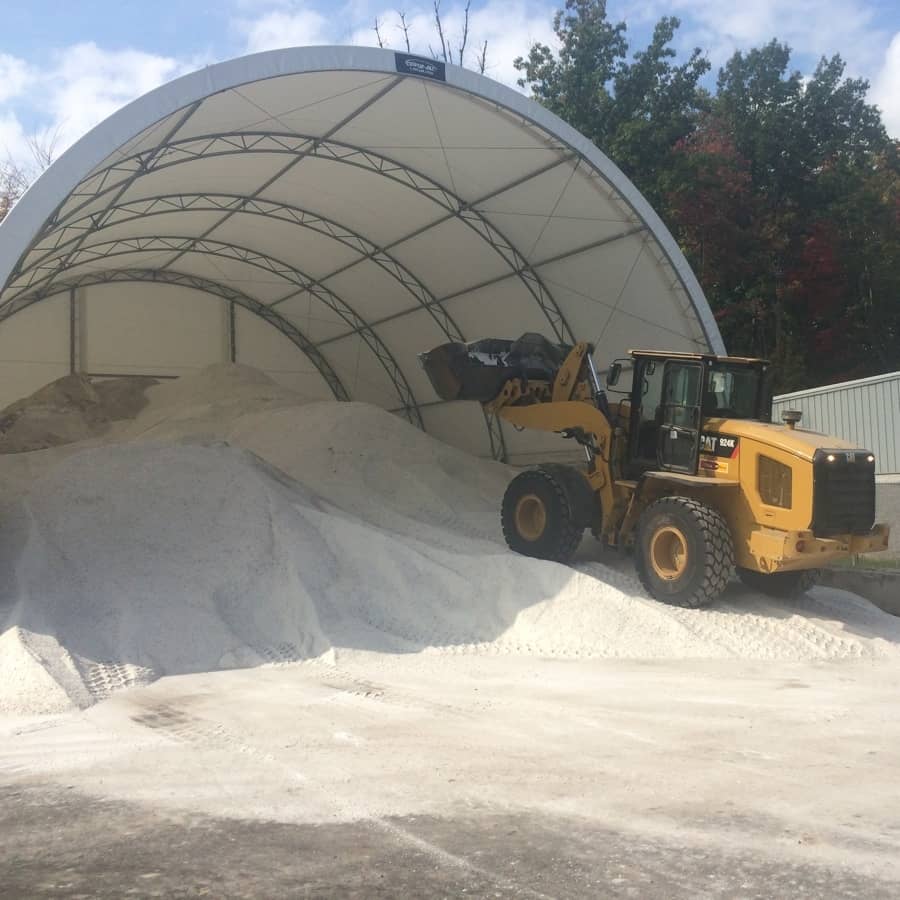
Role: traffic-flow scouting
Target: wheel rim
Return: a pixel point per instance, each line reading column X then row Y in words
column 531, row 517
column 669, row 553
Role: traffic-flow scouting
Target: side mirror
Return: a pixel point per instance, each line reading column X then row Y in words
column 612, row 376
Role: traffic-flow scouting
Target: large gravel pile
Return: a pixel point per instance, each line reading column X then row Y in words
column 74, row 408
column 232, row 524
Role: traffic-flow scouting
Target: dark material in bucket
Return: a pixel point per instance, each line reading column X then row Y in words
column 478, row 370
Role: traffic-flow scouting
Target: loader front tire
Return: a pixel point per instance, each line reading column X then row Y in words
column 684, row 552
column 539, row 518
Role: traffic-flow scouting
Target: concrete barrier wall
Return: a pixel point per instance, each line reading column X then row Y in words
column 881, row 588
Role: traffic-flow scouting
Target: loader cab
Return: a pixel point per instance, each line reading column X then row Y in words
column 674, row 395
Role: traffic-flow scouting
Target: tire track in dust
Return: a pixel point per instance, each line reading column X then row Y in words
column 352, row 686
column 752, row 627
column 752, row 635
column 852, row 610
column 103, row 679
column 284, row 653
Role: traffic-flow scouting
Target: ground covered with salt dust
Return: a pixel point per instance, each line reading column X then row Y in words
column 321, row 628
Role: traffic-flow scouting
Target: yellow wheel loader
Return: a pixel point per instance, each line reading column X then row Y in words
column 685, row 470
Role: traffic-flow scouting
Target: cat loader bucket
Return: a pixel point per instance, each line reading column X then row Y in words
column 479, row 370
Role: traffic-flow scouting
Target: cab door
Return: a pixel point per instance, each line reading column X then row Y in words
column 678, row 449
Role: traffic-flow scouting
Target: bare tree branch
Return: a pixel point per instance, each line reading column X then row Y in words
column 404, row 27
column 440, row 31
column 15, row 176
column 482, row 59
column 465, row 32
column 43, row 148
column 377, row 30
column 13, row 183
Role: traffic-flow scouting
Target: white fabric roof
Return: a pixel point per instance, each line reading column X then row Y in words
column 366, row 213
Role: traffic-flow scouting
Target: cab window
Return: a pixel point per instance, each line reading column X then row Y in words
column 731, row 392
column 647, row 400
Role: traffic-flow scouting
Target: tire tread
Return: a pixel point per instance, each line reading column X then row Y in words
column 567, row 534
column 719, row 565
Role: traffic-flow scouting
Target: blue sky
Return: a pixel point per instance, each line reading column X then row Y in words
column 65, row 65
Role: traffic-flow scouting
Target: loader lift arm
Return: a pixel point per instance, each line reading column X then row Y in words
column 534, row 384
column 577, row 409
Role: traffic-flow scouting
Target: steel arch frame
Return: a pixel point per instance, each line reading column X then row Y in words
column 323, row 147
column 391, row 317
column 219, row 202
column 194, row 282
column 210, row 201
column 146, row 157
column 171, row 153
column 221, row 249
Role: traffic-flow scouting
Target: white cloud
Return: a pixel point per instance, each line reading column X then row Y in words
column 75, row 88
column 78, row 87
column 62, row 97
column 291, row 27
column 509, row 27
column 886, row 87
column 817, row 27
column 812, row 29
column 89, row 83
column 13, row 141
column 14, row 76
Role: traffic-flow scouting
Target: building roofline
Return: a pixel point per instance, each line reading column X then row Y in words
column 839, row 386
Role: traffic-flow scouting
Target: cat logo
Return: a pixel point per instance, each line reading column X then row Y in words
column 720, row 444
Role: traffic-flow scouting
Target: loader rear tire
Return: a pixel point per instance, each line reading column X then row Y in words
column 539, row 518
column 781, row 585
column 684, row 553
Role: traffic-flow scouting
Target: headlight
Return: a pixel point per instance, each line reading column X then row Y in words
column 774, row 482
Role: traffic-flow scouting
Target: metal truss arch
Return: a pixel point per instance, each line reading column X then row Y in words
column 299, row 279
column 209, row 146
column 179, row 279
column 122, row 213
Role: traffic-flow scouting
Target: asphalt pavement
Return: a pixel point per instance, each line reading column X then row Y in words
column 60, row 844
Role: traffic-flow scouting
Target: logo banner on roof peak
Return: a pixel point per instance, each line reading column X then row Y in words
column 421, row 66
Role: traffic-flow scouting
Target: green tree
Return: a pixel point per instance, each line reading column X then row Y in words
column 809, row 144
column 635, row 109
column 783, row 191
column 864, row 211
